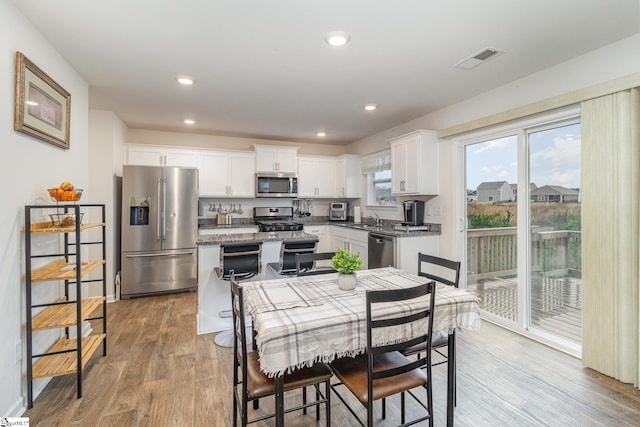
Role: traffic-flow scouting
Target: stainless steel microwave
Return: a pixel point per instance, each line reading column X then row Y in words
column 276, row 184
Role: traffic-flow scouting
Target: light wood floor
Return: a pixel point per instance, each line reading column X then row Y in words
column 159, row 372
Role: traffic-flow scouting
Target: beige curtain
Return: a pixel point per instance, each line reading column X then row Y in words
column 611, row 234
column 376, row 162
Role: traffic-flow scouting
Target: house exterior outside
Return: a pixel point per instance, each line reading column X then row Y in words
column 495, row 191
column 555, row 194
column 514, row 188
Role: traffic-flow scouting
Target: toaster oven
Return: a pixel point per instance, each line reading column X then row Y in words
column 338, row 211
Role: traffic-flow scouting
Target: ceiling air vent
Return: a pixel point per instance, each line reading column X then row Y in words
column 478, row 58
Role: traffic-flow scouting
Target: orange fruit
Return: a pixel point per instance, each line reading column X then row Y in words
column 59, row 193
column 53, row 192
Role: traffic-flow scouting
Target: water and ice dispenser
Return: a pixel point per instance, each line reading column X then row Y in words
column 139, row 210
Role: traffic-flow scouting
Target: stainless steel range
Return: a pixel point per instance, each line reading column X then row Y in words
column 276, row 219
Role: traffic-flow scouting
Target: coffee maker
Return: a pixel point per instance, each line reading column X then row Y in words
column 413, row 212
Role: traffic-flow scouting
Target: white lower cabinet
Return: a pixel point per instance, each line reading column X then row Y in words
column 407, row 249
column 351, row 240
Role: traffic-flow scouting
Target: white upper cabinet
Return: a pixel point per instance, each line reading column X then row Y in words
column 152, row 155
column 414, row 163
column 276, row 159
column 226, row 173
column 315, row 176
column 348, row 176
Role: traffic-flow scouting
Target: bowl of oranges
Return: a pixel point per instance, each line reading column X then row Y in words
column 65, row 192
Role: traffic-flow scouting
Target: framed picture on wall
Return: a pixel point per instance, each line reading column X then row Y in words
column 42, row 107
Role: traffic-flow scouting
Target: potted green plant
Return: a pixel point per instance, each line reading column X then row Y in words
column 346, row 263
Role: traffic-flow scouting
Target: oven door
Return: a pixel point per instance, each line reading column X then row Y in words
column 276, row 185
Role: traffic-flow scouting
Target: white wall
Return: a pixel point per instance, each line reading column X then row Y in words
column 107, row 134
column 27, row 168
column 613, row 61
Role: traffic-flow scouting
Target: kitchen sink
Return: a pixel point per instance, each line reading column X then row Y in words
column 367, row 227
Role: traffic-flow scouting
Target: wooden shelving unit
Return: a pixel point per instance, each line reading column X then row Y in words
column 70, row 354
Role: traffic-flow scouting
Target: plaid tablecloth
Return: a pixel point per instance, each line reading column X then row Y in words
column 302, row 320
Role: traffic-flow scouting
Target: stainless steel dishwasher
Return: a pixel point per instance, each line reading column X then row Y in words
column 381, row 251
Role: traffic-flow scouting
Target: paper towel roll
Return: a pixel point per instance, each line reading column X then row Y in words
column 357, row 215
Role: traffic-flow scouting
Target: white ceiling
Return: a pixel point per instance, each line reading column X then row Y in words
column 263, row 69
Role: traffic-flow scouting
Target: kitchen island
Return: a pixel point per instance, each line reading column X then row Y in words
column 214, row 294
column 260, row 236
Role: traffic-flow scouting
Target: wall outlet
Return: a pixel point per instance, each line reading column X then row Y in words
column 429, row 210
column 19, row 352
column 437, row 210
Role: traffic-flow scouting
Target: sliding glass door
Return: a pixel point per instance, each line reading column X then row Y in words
column 555, row 297
column 491, row 209
column 522, row 235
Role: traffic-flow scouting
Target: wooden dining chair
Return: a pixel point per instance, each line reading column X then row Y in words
column 306, row 263
column 383, row 371
column 447, row 272
column 250, row 384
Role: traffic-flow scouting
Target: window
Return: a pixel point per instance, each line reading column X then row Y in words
column 380, row 188
column 377, row 168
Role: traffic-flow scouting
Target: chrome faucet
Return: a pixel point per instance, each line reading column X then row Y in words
column 378, row 220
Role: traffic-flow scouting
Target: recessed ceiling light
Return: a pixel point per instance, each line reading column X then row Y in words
column 370, row 107
column 337, row 38
column 189, row 121
column 185, row 80
column 321, row 133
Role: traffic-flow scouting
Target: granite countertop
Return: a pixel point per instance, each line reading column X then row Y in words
column 390, row 230
column 275, row 236
column 387, row 228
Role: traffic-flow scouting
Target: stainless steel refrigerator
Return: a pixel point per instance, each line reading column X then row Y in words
column 159, row 230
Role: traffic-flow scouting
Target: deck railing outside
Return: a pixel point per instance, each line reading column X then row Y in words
column 556, row 286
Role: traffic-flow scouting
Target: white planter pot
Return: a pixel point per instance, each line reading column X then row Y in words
column 346, row 282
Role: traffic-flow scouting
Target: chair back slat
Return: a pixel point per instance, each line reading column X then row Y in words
column 423, row 314
column 452, row 268
column 397, row 320
column 306, row 263
column 418, row 363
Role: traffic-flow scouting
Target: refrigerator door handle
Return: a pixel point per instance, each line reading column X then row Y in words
column 164, row 208
column 159, row 222
column 155, row 255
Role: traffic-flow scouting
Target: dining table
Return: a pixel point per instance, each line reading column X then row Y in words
column 299, row 321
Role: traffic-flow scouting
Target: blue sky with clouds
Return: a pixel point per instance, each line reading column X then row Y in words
column 554, row 158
